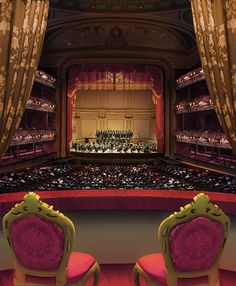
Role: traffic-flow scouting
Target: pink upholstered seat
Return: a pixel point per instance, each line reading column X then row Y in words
column 78, row 265
column 154, row 266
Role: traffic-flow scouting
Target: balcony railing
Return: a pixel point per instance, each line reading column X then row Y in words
column 45, row 79
column 40, row 104
column 190, row 78
column 205, row 138
column 198, row 104
column 33, row 136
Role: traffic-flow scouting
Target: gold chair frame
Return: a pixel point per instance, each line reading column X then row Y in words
column 32, row 205
column 200, row 207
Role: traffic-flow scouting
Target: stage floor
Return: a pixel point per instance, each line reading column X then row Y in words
column 147, row 158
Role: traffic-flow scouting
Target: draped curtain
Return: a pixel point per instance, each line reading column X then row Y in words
column 106, row 80
column 215, row 28
column 22, row 29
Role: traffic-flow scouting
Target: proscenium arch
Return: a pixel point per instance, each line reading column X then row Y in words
column 173, row 28
column 169, row 77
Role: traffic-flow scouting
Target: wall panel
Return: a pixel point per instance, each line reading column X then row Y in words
column 111, row 109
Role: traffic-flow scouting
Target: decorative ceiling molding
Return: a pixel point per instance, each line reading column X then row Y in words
column 163, row 32
column 130, row 33
column 68, row 62
column 119, row 6
column 110, row 35
column 187, row 16
column 58, row 17
column 55, row 58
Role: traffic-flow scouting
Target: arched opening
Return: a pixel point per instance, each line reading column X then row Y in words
column 123, row 101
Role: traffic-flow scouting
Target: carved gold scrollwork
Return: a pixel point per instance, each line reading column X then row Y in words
column 201, row 206
column 32, row 205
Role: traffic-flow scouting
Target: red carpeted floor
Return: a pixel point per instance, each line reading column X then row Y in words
column 117, row 275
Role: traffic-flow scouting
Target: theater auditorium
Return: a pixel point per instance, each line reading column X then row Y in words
column 117, row 142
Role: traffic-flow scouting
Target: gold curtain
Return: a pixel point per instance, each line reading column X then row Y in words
column 215, row 28
column 22, row 28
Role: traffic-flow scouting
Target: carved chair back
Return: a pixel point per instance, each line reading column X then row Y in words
column 193, row 239
column 40, row 238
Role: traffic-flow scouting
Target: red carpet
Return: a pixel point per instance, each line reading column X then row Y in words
column 117, row 275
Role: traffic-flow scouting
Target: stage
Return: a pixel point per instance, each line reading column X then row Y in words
column 137, row 158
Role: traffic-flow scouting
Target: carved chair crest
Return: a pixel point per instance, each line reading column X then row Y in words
column 200, row 207
column 32, row 205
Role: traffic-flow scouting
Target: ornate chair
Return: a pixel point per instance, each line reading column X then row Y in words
column 192, row 241
column 41, row 241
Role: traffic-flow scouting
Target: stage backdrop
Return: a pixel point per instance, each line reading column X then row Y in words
column 115, row 96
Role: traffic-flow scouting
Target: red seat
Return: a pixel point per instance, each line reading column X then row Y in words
column 78, row 265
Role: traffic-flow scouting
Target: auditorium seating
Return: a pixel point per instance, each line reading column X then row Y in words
column 68, row 176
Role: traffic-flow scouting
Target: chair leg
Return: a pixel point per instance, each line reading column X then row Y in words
column 61, row 278
column 19, row 278
column 172, row 280
column 137, row 272
column 96, row 275
column 136, row 277
column 214, row 278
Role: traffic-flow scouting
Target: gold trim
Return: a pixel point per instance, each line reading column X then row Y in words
column 199, row 207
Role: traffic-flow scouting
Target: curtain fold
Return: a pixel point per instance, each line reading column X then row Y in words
column 215, row 28
column 22, row 28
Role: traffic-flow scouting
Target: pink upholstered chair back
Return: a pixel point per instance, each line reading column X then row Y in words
column 196, row 244
column 193, row 239
column 38, row 244
column 41, row 240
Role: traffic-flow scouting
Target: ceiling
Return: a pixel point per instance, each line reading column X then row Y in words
column 120, row 28
column 119, row 5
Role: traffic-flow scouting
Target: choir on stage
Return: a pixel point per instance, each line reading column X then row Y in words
column 114, row 141
column 122, row 136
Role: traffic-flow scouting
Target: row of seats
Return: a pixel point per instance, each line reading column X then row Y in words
column 41, row 241
column 94, row 176
column 32, row 177
column 199, row 178
column 97, row 176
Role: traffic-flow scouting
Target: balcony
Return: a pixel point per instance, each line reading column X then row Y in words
column 45, row 79
column 190, row 78
column 201, row 103
column 204, row 138
column 40, row 104
column 22, row 137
